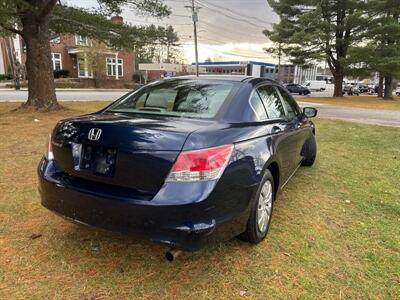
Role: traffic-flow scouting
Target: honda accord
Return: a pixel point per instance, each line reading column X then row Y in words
column 183, row 161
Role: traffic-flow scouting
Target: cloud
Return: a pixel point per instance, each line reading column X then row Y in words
column 226, row 28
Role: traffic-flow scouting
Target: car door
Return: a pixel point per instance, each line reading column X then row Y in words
column 298, row 128
column 281, row 129
column 293, row 88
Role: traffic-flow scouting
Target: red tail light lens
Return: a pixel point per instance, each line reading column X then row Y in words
column 49, row 149
column 200, row 165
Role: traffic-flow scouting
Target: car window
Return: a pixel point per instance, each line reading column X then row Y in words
column 179, row 98
column 258, row 107
column 272, row 102
column 289, row 104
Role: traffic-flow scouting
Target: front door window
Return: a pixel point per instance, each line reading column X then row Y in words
column 83, row 67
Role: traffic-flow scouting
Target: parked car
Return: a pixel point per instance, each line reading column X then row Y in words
column 297, row 89
column 183, row 161
column 351, row 90
column 397, row 91
column 316, row 85
column 363, row 88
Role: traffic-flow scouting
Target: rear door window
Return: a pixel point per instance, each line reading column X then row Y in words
column 290, row 105
column 272, row 102
column 258, row 107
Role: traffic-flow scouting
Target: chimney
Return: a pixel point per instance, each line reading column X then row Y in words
column 117, row 20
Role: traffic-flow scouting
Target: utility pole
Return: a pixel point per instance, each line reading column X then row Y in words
column 195, row 19
column 279, row 61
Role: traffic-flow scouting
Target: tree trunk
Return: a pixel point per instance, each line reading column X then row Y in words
column 338, row 76
column 41, row 87
column 388, row 88
column 380, row 86
column 338, row 91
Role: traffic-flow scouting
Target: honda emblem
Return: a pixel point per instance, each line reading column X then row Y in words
column 94, row 134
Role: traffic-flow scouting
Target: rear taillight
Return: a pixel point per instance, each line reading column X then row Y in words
column 200, row 165
column 49, row 149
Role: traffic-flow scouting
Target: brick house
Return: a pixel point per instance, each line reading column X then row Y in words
column 68, row 53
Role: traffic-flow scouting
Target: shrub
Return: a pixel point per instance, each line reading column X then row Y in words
column 5, row 77
column 61, row 73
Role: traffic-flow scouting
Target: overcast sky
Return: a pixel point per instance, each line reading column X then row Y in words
column 227, row 29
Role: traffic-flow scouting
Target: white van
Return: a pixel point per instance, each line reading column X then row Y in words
column 316, row 85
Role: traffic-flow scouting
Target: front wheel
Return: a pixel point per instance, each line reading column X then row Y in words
column 261, row 212
column 309, row 151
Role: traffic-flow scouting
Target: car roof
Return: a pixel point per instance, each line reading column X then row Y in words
column 237, row 78
column 216, row 77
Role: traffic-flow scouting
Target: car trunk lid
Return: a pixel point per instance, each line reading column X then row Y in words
column 126, row 151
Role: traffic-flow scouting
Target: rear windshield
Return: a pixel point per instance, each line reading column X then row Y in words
column 178, row 98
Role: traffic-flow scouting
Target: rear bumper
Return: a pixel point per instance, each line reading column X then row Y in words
column 180, row 216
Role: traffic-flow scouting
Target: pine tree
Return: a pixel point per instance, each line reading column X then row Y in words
column 380, row 51
column 319, row 30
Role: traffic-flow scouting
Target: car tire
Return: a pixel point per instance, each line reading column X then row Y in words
column 300, row 93
column 262, row 205
column 309, row 151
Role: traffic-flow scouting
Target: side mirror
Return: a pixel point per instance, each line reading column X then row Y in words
column 310, row 112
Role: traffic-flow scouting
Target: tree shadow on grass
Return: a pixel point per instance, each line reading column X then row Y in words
column 91, row 245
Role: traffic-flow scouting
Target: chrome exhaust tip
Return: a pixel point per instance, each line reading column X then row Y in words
column 172, row 254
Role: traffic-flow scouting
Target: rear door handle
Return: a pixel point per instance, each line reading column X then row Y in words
column 276, row 130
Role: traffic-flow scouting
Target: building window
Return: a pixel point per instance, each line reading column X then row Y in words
column 83, row 67
column 113, row 67
column 81, row 40
column 56, row 59
column 56, row 40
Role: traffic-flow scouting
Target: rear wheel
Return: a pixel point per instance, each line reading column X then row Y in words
column 309, row 151
column 261, row 212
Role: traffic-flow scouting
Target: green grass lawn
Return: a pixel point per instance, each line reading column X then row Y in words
column 335, row 231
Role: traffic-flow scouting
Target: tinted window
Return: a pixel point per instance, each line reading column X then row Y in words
column 290, row 104
column 272, row 102
column 180, row 98
column 258, row 106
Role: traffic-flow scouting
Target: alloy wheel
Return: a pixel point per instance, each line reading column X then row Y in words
column 264, row 206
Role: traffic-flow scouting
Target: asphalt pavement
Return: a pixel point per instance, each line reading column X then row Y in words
column 360, row 115
column 65, row 95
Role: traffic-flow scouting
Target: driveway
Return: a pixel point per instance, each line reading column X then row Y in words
column 360, row 115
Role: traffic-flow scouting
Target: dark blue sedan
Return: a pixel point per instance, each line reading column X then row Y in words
column 184, row 161
column 297, row 89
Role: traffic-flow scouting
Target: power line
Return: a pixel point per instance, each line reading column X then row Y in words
column 247, row 22
column 236, row 13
